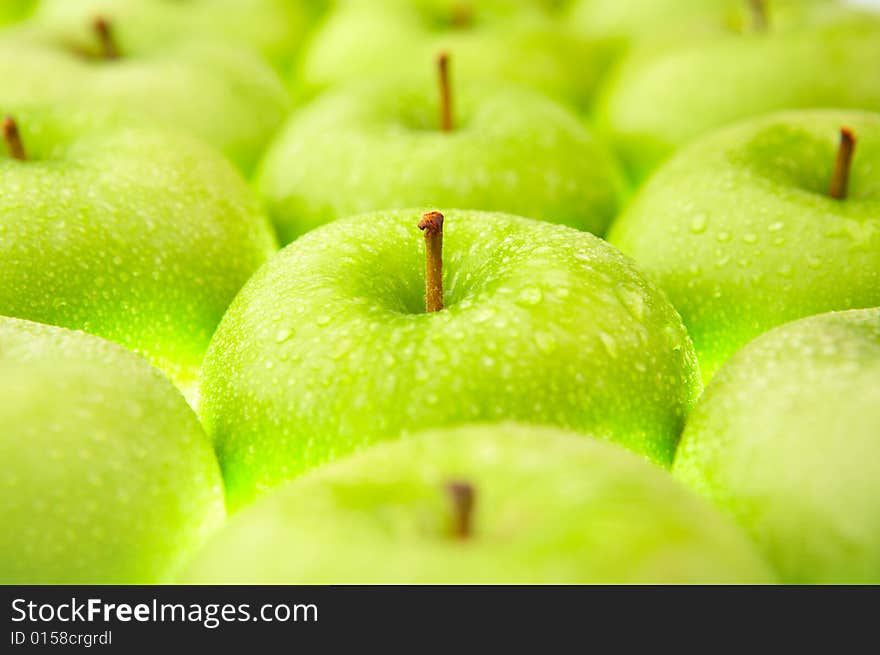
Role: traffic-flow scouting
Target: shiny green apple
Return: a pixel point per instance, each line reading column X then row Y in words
column 741, row 231
column 482, row 504
column 225, row 95
column 491, row 41
column 137, row 236
column 107, row 476
column 275, row 28
column 329, row 347
column 379, row 145
column 663, row 97
column 785, row 440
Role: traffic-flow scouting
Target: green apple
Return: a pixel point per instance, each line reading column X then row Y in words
column 481, row 504
column 379, row 145
column 137, row 236
column 664, row 97
column 785, row 440
column 741, row 231
column 328, row 348
column 225, row 95
column 107, row 476
column 275, row 28
column 492, row 41
column 633, row 22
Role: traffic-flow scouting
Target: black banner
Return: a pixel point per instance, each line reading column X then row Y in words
column 133, row 619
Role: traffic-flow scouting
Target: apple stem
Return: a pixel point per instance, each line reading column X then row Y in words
column 759, row 14
column 13, row 139
column 445, row 92
column 462, row 495
column 840, row 178
column 104, row 31
column 432, row 225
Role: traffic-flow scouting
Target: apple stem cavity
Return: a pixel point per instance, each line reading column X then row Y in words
column 462, row 495
column 104, row 32
column 432, row 225
column 445, row 92
column 759, row 15
column 845, row 150
column 11, row 136
column 462, row 15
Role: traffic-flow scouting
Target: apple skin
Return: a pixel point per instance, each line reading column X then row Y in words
column 275, row 28
column 785, row 441
column 634, row 22
column 12, row 11
column 225, row 95
column 740, row 231
column 107, row 476
column 662, row 98
column 328, row 347
column 550, row 507
column 515, row 43
column 137, row 236
column 379, row 145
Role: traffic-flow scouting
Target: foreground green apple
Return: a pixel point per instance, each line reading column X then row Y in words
column 137, row 236
column 380, row 145
column 225, row 95
column 663, row 97
column 107, row 476
column 742, row 233
column 493, row 41
column 481, row 504
column 786, row 441
column 273, row 27
column 329, row 348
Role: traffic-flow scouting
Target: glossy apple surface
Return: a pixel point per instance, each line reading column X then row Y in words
column 225, row 95
column 490, row 41
column 741, row 232
column 662, row 98
column 785, row 440
column 547, row 507
column 137, row 236
column 275, row 28
column 379, row 146
column 328, row 348
column 107, row 476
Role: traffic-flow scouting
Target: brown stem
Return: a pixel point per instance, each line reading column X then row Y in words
column 759, row 15
column 445, row 92
column 104, row 31
column 840, row 178
column 13, row 139
column 462, row 495
column 432, row 225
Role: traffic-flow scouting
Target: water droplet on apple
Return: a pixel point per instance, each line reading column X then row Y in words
column 723, row 237
column 775, row 227
column 323, row 320
column 283, row 335
column 632, row 300
column 609, row 343
column 699, row 223
column 545, row 341
column 530, row 296
column 785, row 270
column 750, row 237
